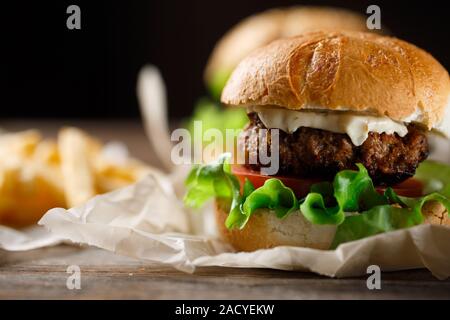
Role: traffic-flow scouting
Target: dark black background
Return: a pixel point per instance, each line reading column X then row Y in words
column 50, row 71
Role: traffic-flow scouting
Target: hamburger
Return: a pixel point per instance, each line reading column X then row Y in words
column 351, row 113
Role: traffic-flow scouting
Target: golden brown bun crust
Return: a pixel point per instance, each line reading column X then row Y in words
column 264, row 230
column 262, row 28
column 357, row 71
column 435, row 213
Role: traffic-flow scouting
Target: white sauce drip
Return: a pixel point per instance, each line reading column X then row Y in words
column 357, row 127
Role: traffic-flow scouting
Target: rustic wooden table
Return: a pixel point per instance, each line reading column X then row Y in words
column 42, row 274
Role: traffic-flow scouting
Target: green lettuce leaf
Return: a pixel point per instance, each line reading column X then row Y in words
column 216, row 181
column 435, row 176
column 210, row 181
column 379, row 219
column 248, row 188
column 352, row 191
column 314, row 209
column 217, row 83
column 214, row 116
column 386, row 218
column 416, row 204
column 273, row 195
column 350, row 201
column 237, row 218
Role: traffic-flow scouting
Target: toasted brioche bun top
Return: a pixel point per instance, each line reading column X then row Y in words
column 351, row 71
column 261, row 29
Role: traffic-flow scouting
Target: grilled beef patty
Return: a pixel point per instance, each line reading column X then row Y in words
column 312, row 152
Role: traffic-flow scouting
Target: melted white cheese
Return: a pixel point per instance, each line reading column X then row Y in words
column 357, row 127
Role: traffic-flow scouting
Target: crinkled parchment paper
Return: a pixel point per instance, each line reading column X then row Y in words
column 27, row 239
column 145, row 222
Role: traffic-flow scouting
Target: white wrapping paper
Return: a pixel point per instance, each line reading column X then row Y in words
column 27, row 239
column 144, row 222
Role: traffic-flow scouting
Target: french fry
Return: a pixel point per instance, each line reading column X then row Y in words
column 46, row 153
column 75, row 151
column 21, row 144
column 26, row 194
column 111, row 176
column 39, row 174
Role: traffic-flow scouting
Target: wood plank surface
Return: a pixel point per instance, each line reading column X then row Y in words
column 41, row 274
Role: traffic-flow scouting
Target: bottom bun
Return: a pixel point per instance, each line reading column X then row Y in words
column 264, row 230
column 435, row 213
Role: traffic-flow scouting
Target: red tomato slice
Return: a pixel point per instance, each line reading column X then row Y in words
column 411, row 187
column 301, row 186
